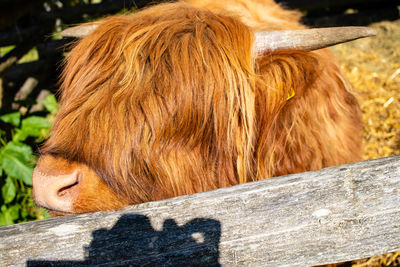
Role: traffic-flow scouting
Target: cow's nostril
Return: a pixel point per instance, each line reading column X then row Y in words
column 56, row 192
column 62, row 191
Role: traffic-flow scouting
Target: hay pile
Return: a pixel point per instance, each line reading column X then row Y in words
column 373, row 67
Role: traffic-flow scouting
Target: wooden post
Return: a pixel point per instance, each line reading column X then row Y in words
column 332, row 215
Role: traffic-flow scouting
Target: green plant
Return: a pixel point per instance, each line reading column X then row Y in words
column 17, row 161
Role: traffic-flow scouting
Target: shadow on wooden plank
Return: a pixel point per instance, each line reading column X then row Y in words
column 133, row 242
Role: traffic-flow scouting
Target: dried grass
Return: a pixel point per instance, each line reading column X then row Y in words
column 373, row 67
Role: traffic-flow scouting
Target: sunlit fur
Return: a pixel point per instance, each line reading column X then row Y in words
column 170, row 101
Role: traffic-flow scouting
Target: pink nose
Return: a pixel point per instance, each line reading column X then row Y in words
column 56, row 192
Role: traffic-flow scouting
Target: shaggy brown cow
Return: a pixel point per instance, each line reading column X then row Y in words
column 171, row 101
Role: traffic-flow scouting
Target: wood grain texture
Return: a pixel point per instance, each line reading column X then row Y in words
column 332, row 215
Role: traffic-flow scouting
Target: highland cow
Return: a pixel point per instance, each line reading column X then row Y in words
column 177, row 99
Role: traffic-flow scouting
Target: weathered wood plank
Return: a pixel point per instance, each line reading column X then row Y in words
column 336, row 214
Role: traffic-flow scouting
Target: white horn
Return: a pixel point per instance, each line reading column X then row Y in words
column 310, row 39
column 79, row 31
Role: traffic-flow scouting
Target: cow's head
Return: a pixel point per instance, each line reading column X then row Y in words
column 153, row 105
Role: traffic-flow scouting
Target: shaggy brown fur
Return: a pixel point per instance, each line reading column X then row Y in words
column 170, row 101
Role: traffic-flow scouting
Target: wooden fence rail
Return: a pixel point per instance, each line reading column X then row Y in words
column 332, row 215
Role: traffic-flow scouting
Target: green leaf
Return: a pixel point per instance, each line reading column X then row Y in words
column 13, row 118
column 2, row 220
column 8, row 190
column 19, row 135
column 32, row 126
column 50, row 103
column 15, row 161
column 32, row 55
column 9, row 215
column 1, row 159
column 5, row 216
column 14, row 211
column 6, row 49
column 24, row 213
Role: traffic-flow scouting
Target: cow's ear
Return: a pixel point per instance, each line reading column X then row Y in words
column 79, row 31
column 287, row 74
